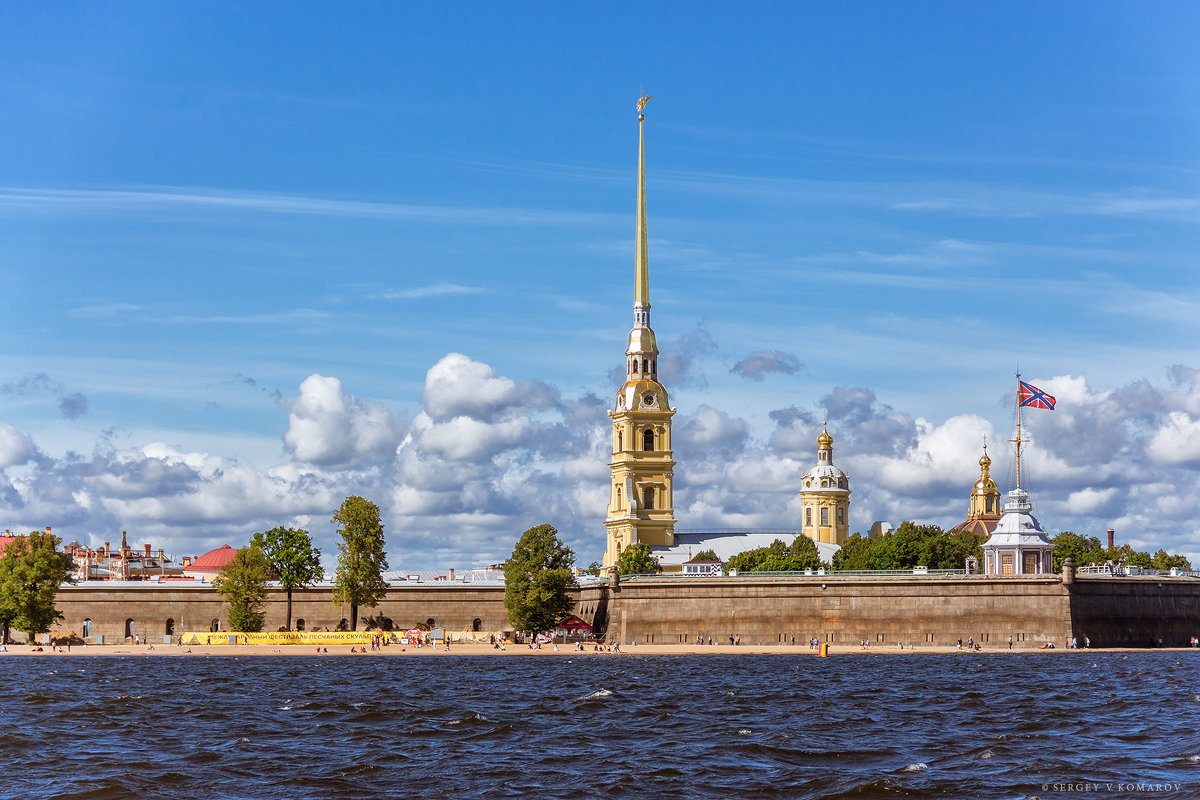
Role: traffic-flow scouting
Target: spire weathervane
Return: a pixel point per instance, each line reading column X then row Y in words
column 642, row 102
column 641, row 284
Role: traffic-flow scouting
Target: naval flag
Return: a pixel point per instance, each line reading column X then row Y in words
column 1034, row 397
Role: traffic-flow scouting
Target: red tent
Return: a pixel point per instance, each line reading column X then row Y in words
column 573, row 624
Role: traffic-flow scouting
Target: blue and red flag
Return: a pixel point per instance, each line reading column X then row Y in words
column 1034, row 397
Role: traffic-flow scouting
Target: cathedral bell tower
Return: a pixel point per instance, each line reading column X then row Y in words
column 640, row 504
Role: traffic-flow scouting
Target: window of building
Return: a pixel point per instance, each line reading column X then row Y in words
column 648, row 440
column 808, row 517
column 841, row 483
column 430, row 622
column 1031, row 565
column 618, row 497
column 1006, row 563
column 300, row 624
column 648, row 497
column 636, row 364
column 87, row 629
column 477, row 624
column 824, row 515
column 824, row 483
column 841, row 516
column 646, row 365
column 620, row 441
column 987, row 504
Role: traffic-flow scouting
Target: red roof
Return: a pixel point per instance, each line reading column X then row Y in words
column 213, row 560
column 4, row 540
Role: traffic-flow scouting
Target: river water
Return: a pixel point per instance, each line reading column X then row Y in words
column 1081, row 724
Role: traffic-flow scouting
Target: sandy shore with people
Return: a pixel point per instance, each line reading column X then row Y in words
column 328, row 651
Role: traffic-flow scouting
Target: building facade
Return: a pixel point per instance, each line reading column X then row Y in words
column 825, row 497
column 641, row 504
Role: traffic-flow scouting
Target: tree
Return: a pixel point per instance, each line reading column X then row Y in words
column 536, row 578
column 293, row 559
column 638, row 560
column 778, row 557
column 856, row 553
column 361, row 557
column 706, row 555
column 1084, row 549
column 243, row 584
column 594, row 568
column 31, row 570
column 1164, row 560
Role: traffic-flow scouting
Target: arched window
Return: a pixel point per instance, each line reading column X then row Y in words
column 87, row 629
column 343, row 624
column 841, row 483
column 648, row 440
column 645, row 365
column 987, row 504
column 808, row 517
column 170, row 627
column 636, row 364
column 648, row 497
column 216, row 625
column 620, row 441
column 824, row 483
column 430, row 622
column 129, row 629
column 477, row 624
column 300, row 624
column 824, row 515
column 841, row 516
column 618, row 497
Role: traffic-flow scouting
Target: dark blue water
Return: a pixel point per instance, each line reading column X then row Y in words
column 861, row 726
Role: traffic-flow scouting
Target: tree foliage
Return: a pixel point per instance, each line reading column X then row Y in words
column 778, row 557
column 537, row 577
column 361, row 556
column 293, row 559
column 638, row 560
column 31, row 571
column 594, row 568
column 243, row 584
column 908, row 546
column 706, row 555
column 1088, row 550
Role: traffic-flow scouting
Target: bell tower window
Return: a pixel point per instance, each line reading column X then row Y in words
column 808, row 517
column 648, row 497
column 648, row 440
column 824, row 515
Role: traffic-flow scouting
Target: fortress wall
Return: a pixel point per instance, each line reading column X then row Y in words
column 194, row 607
column 886, row 611
column 1130, row 611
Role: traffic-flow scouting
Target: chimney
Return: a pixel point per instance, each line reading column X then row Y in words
column 187, row 561
column 106, row 549
column 452, row 573
column 161, row 557
column 1110, row 538
column 147, row 551
column 47, row 530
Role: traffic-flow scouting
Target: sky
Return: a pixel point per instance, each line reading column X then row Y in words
column 256, row 259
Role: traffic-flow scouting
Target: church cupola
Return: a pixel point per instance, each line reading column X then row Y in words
column 825, row 497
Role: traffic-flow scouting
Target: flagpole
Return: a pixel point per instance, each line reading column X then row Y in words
column 1018, row 441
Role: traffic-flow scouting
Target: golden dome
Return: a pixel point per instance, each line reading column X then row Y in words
column 824, row 440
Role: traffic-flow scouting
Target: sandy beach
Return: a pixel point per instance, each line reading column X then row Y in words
column 523, row 650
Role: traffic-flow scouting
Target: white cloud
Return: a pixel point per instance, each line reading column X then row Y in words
column 456, row 386
column 16, row 448
column 1177, row 441
column 326, row 426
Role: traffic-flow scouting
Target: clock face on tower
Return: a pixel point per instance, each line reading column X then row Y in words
column 648, row 399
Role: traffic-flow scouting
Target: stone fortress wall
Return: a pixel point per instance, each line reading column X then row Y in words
column 887, row 611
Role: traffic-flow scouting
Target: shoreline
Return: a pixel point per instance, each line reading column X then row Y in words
column 391, row 651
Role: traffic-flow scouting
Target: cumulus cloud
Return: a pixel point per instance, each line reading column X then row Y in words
column 1177, row 441
column 758, row 365
column 15, row 447
column 458, row 387
column 328, row 427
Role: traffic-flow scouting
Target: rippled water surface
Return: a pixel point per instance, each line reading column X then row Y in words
column 961, row 725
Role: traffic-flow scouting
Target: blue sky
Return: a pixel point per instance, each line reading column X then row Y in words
column 876, row 210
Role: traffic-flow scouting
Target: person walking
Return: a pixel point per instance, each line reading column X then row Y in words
column 1010, row 642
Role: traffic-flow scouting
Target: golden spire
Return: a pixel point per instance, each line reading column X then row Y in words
column 641, row 285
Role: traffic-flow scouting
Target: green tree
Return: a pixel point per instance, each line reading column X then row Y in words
column 778, row 557
column 1164, row 560
column 293, row 559
column 857, row 552
column 31, row 571
column 1084, row 549
column 537, row 577
column 594, row 568
column 243, row 584
column 638, row 560
column 361, row 557
column 706, row 555
column 1140, row 559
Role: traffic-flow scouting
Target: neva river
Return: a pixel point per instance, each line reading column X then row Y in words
column 1083, row 724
